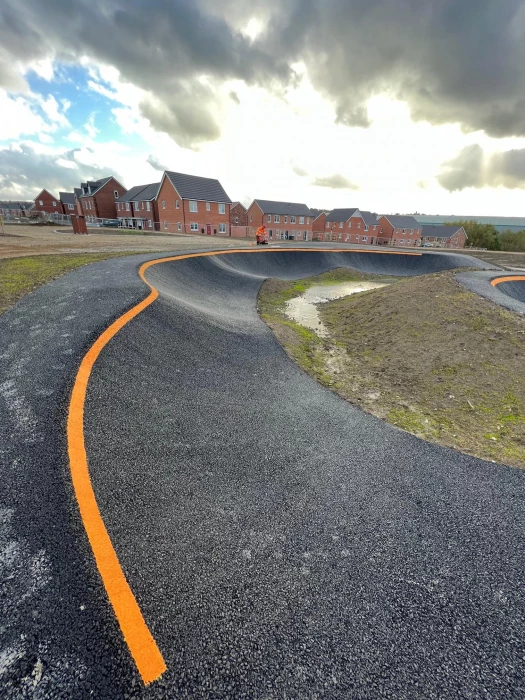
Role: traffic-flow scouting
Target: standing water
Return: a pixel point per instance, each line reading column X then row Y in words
column 303, row 309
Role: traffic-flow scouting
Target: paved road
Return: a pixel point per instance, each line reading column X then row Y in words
column 280, row 543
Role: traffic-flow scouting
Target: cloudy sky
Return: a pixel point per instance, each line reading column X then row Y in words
column 387, row 105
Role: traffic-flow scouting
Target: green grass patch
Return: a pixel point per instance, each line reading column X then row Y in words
column 19, row 276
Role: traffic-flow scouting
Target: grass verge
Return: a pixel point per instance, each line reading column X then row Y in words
column 425, row 355
column 19, row 276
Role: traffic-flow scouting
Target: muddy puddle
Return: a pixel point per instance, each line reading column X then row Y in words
column 304, row 309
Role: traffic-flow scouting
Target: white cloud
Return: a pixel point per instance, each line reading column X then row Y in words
column 51, row 108
column 90, row 127
column 44, row 68
column 19, row 117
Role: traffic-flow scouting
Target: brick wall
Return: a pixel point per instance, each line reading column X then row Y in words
column 238, row 215
column 283, row 229
column 319, row 223
column 47, row 206
column 390, row 235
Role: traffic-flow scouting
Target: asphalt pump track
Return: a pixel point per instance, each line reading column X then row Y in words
column 265, row 539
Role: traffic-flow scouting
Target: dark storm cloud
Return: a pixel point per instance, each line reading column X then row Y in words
column 336, row 182
column 23, row 172
column 451, row 60
column 155, row 163
column 473, row 168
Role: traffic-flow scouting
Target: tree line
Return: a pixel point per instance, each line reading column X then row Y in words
column 487, row 236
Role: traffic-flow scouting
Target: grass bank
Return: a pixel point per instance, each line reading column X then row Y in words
column 19, row 276
column 425, row 355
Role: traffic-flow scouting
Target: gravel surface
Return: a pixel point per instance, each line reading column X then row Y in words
column 280, row 542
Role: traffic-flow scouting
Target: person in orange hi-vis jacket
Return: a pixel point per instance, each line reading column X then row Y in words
column 261, row 235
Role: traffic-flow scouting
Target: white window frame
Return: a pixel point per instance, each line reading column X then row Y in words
column 366, row 227
column 358, row 224
column 127, row 206
column 149, row 223
column 301, row 219
column 292, row 219
column 276, row 218
column 269, row 218
column 306, row 235
column 54, row 203
column 194, row 226
column 70, row 206
column 164, row 204
column 208, row 206
column 364, row 239
column 222, row 228
column 194, row 207
column 222, row 208
column 179, row 227
column 148, row 207
column 115, row 192
column 341, row 224
column 251, row 218
column 40, row 202
column 177, row 204
column 165, row 225
column 285, row 219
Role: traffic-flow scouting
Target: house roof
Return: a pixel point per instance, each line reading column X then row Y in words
column 16, row 205
column 268, row 206
column 239, row 204
column 440, row 231
column 138, row 192
column 204, row 189
column 77, row 191
column 368, row 218
column 402, row 221
column 94, row 186
column 340, row 214
column 67, row 197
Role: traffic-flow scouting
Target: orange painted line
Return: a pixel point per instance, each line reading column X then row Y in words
column 512, row 278
column 143, row 648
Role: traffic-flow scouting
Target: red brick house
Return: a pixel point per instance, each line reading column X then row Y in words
column 67, row 202
column 351, row 226
column 192, row 204
column 318, row 224
column 444, row 236
column 137, row 208
column 399, row 231
column 238, row 215
column 48, row 203
column 284, row 220
column 97, row 199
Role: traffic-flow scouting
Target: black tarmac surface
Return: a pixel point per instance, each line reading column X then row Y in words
column 280, row 542
column 510, row 294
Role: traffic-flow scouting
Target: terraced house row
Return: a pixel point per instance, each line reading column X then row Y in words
column 191, row 204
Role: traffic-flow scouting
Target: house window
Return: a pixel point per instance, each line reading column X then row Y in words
column 285, row 219
column 276, row 219
column 222, row 228
column 251, row 218
column 164, row 204
column 194, row 227
column 115, row 192
column 54, row 204
column 127, row 206
column 404, row 230
column 193, row 206
column 165, row 225
column 236, row 219
column 269, row 218
column 277, row 233
column 148, row 206
column 149, row 223
column 292, row 219
column 307, row 219
column 179, row 227
column 41, row 202
column 341, row 224
column 358, row 224
column 364, row 239
column 208, row 206
column 306, row 235
column 327, row 224
column 222, row 208
column 270, row 233
column 71, row 206
column 177, row 204
column 301, row 219
column 366, row 227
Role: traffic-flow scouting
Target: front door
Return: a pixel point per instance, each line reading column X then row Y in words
column 208, row 229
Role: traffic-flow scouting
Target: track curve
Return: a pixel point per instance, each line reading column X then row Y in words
column 279, row 542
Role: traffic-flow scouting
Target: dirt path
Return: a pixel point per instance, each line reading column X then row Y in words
column 43, row 240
